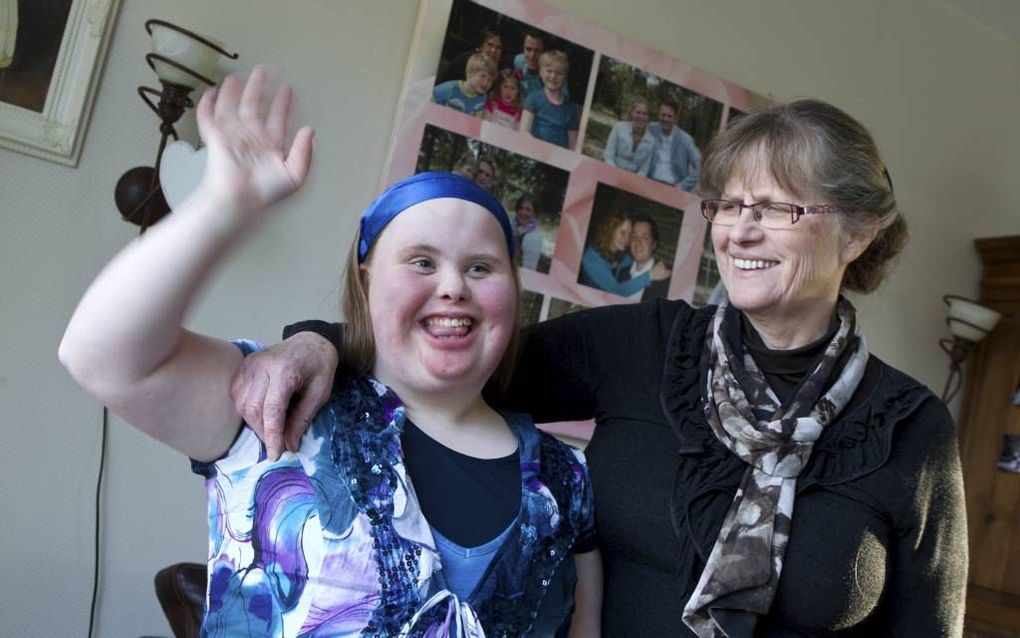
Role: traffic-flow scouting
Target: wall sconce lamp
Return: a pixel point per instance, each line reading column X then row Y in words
column 183, row 61
column 969, row 322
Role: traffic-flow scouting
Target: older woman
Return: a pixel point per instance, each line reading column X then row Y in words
column 629, row 146
column 756, row 470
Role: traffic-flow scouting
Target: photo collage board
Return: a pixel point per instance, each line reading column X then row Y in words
column 589, row 140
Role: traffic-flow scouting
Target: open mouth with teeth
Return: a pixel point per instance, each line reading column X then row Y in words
column 448, row 327
column 753, row 264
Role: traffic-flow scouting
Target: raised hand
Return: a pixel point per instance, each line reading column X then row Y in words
column 249, row 166
column 169, row 382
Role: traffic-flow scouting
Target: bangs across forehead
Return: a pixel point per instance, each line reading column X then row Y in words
column 782, row 152
column 789, row 169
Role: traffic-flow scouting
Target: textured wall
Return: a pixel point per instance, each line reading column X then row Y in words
column 939, row 91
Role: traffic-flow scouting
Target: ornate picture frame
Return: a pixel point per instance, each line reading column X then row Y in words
column 56, row 131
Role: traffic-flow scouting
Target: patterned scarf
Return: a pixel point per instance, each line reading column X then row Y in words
column 740, row 577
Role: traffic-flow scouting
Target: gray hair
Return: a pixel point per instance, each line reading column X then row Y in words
column 814, row 150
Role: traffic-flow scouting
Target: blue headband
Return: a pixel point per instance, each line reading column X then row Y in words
column 421, row 188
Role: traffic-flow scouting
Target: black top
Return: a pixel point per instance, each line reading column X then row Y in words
column 878, row 543
column 469, row 500
column 784, row 369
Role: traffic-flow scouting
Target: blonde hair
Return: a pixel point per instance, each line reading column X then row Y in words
column 633, row 102
column 554, row 57
column 479, row 62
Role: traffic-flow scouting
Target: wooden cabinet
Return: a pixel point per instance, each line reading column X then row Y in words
column 988, row 412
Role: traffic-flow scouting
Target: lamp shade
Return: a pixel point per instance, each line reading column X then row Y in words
column 968, row 319
column 184, row 49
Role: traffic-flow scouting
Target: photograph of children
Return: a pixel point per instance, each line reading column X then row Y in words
column 559, row 307
column 531, row 191
column 630, row 246
column 503, row 70
column 531, row 307
column 30, row 36
column 646, row 125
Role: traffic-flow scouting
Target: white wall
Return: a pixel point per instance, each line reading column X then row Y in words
column 57, row 228
column 940, row 92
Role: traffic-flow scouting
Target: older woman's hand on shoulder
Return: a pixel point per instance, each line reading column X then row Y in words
column 278, row 390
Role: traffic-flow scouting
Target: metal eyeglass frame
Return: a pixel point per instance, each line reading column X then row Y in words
column 796, row 211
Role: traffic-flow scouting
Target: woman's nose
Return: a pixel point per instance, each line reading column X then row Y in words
column 746, row 228
column 453, row 284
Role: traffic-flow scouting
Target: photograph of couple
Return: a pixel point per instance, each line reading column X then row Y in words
column 645, row 125
column 630, row 246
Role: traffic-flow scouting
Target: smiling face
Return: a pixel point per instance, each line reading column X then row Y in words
column 667, row 118
column 642, row 242
column 553, row 75
column 492, row 48
column 621, row 236
column 465, row 170
column 639, row 114
column 485, row 174
column 533, row 48
column 525, row 211
column 789, row 278
column 480, row 81
column 442, row 303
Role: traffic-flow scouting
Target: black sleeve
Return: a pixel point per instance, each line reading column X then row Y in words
column 553, row 379
column 555, row 375
column 332, row 331
column 928, row 575
column 565, row 362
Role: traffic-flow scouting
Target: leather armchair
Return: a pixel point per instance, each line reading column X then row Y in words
column 180, row 589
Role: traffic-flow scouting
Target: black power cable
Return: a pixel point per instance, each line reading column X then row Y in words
column 99, row 489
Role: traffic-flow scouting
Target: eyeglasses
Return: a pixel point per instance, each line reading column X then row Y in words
column 724, row 212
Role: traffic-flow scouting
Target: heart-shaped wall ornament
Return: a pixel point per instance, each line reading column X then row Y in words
column 180, row 171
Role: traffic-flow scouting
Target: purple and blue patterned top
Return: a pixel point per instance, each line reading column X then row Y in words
column 330, row 540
